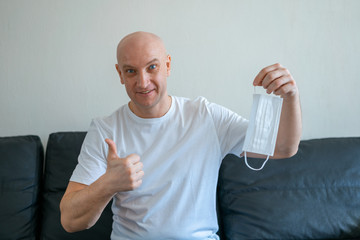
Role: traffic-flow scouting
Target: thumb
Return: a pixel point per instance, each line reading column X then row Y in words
column 112, row 152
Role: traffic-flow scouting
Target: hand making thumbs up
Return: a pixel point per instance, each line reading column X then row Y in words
column 124, row 174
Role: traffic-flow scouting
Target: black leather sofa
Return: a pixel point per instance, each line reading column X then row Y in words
column 313, row 195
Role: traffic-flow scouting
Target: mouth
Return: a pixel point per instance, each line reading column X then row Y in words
column 146, row 92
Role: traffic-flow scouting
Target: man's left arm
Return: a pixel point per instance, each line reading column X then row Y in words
column 278, row 80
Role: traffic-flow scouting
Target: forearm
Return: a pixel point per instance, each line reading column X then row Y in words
column 290, row 128
column 82, row 205
column 81, row 209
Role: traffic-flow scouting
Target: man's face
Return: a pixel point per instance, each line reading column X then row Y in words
column 143, row 68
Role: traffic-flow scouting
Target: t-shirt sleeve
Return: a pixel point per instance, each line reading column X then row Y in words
column 230, row 128
column 92, row 158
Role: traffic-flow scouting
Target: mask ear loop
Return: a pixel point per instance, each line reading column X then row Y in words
column 255, row 169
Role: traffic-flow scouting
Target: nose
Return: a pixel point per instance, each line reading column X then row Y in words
column 143, row 80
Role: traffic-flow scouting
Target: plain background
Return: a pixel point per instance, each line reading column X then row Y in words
column 57, row 57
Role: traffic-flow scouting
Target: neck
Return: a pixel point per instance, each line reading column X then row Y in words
column 151, row 112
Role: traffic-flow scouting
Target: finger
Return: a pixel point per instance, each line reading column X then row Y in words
column 140, row 175
column 133, row 158
column 112, row 152
column 136, row 180
column 287, row 89
column 137, row 184
column 260, row 77
column 277, row 83
column 137, row 167
column 272, row 76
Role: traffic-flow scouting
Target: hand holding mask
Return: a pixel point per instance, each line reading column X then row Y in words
column 266, row 110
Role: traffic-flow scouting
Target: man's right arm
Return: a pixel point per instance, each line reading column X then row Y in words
column 82, row 205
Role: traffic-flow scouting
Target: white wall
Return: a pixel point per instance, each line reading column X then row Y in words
column 57, row 57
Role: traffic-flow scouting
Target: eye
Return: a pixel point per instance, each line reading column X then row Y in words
column 152, row 66
column 130, row 70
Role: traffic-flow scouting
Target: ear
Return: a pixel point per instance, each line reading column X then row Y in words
column 168, row 64
column 119, row 72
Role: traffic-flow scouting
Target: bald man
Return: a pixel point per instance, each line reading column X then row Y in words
column 158, row 156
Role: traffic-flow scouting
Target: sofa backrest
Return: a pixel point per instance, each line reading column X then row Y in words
column 313, row 195
column 62, row 152
column 21, row 165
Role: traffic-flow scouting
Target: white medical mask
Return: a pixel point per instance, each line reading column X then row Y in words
column 263, row 126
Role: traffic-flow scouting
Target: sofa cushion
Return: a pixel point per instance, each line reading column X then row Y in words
column 21, row 160
column 313, row 195
column 62, row 152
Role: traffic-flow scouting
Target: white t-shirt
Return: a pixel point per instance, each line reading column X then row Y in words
column 181, row 153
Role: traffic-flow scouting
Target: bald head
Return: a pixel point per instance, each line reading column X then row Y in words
column 139, row 41
column 143, row 66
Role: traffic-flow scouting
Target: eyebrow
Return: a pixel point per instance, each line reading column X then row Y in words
column 129, row 66
column 154, row 60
